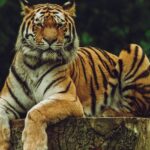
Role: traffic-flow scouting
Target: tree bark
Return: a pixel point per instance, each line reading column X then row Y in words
column 92, row 134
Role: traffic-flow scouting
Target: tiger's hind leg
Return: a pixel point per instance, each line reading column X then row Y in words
column 128, row 90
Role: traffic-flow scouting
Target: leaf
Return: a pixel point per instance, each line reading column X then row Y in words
column 86, row 38
column 146, row 47
column 2, row 2
column 147, row 33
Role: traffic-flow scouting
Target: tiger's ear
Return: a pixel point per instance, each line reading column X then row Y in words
column 70, row 7
column 26, row 7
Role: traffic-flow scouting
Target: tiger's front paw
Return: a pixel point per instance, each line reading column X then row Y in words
column 34, row 136
column 4, row 132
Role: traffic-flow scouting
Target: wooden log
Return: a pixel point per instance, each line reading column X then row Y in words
column 92, row 134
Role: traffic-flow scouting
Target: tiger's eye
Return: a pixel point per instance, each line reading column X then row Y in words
column 60, row 25
column 37, row 19
column 39, row 25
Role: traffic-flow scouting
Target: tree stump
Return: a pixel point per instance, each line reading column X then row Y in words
column 92, row 134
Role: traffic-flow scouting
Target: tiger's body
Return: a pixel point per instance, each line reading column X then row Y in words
column 46, row 80
column 52, row 78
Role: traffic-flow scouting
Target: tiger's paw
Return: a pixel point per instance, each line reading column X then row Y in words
column 109, row 112
column 34, row 136
column 4, row 132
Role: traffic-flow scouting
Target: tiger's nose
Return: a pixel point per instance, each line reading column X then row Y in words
column 50, row 35
column 50, row 41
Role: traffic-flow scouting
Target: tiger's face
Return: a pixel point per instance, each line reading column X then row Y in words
column 48, row 33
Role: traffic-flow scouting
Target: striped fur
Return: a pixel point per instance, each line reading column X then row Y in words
column 52, row 78
column 128, row 90
column 35, row 85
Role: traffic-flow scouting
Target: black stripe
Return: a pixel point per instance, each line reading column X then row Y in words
column 144, row 74
column 15, row 98
column 104, row 77
column 129, row 87
column 137, row 68
column 73, row 70
column 134, row 61
column 113, row 90
column 23, row 28
column 104, row 63
column 75, row 78
column 27, row 29
column 74, row 73
column 93, row 97
column 70, row 36
column 112, row 62
column 48, row 71
column 120, row 63
column 52, row 83
column 92, row 67
column 138, row 87
column 60, row 81
column 138, row 104
column 136, row 100
column 73, row 32
column 21, row 82
column 129, row 108
column 67, row 88
column 83, row 67
column 69, row 19
column 29, row 17
column 105, row 98
column 60, row 72
column 115, row 73
column 10, row 108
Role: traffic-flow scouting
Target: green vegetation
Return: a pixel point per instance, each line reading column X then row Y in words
column 2, row 2
column 101, row 23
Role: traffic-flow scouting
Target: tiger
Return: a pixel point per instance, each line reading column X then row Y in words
column 51, row 77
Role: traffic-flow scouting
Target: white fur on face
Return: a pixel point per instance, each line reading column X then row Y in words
column 59, row 18
column 43, row 51
column 39, row 18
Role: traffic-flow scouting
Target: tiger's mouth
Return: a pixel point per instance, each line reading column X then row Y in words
column 48, row 50
column 55, row 50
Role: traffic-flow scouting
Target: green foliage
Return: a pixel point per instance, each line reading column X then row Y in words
column 2, row 2
column 86, row 38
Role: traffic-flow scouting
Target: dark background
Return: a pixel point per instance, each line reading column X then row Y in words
column 108, row 24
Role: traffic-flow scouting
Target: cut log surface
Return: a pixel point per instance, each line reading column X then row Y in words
column 92, row 134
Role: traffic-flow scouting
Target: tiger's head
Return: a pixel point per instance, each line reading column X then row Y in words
column 48, row 33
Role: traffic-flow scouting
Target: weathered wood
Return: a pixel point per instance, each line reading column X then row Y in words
column 92, row 134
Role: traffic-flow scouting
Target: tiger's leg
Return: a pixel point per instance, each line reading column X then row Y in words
column 6, row 114
column 4, row 130
column 54, row 109
column 128, row 89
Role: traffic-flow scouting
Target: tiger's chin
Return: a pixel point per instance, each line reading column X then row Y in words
column 61, row 56
column 37, row 57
